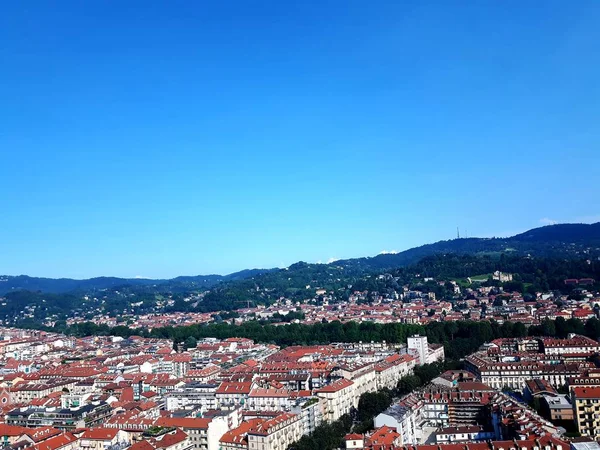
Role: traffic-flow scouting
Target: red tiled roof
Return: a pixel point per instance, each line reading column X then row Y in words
column 336, row 386
column 56, row 442
column 238, row 435
column 586, row 392
column 234, row 388
column 100, row 434
column 12, row 430
column 265, row 427
column 183, row 422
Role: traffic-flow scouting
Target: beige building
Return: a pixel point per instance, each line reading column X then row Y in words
column 339, row 398
column 26, row 392
column 586, row 408
column 103, row 438
column 389, row 371
column 276, row 434
column 204, row 434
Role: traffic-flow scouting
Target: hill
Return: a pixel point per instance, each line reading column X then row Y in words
column 300, row 281
column 62, row 285
column 551, row 241
column 547, row 250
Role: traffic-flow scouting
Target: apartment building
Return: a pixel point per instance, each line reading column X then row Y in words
column 391, row 369
column 405, row 418
column 462, row 433
column 515, row 374
column 231, row 394
column 26, row 392
column 193, row 395
column 103, row 439
column 339, row 398
column 573, row 345
column 275, row 434
column 261, row 399
column 173, row 440
column 586, row 408
column 310, row 411
column 419, row 346
column 237, row 438
column 204, row 434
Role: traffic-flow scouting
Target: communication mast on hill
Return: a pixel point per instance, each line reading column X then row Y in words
column 457, row 233
column 248, row 302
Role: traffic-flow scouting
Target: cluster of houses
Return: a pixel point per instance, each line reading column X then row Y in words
column 414, row 304
column 110, row 393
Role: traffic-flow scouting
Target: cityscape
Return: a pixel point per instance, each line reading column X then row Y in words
column 483, row 367
column 313, row 225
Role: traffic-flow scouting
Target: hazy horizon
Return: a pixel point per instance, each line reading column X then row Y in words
column 328, row 261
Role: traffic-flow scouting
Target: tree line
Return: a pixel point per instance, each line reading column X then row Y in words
column 460, row 338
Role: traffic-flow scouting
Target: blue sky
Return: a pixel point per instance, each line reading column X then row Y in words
column 160, row 139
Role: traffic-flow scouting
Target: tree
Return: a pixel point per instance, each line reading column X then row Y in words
column 407, row 384
column 371, row 404
column 548, row 328
column 520, row 330
column 190, row 342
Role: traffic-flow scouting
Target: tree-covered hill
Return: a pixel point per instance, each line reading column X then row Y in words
column 553, row 241
column 63, row 285
column 540, row 259
column 571, row 241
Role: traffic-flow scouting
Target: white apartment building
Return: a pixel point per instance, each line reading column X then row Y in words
column 192, row 395
column 231, row 394
column 204, row 434
column 103, row 438
column 364, row 377
column 405, row 418
column 310, row 412
column 419, row 346
column 575, row 344
column 261, row 399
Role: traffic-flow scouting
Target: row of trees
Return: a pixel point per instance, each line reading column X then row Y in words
column 459, row 338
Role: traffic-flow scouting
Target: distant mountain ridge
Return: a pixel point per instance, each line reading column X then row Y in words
column 61, row 285
column 555, row 241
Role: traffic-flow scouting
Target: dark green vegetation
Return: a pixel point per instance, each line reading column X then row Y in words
column 531, row 275
column 553, row 241
column 459, row 338
column 25, row 308
column 327, row 436
column 558, row 252
column 370, row 404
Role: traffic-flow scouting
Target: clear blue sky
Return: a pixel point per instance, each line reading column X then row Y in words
column 166, row 138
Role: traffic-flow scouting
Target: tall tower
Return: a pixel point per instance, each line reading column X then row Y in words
column 419, row 345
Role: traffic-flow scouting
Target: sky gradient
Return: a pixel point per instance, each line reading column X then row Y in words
column 159, row 139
